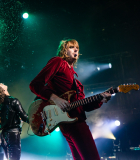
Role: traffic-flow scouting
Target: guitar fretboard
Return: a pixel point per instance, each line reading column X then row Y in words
column 85, row 101
column 88, row 100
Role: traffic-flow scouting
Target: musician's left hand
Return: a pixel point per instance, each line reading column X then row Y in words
column 106, row 95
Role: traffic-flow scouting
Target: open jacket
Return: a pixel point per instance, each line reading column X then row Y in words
column 10, row 113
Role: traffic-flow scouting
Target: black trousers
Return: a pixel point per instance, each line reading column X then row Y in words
column 11, row 144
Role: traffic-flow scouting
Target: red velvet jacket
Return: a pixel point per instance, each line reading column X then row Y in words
column 56, row 77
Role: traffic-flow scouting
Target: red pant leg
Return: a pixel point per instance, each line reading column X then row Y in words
column 75, row 153
column 80, row 141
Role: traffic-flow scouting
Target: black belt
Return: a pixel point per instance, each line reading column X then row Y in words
column 11, row 130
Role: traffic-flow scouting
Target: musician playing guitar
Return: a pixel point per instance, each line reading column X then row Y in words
column 56, row 78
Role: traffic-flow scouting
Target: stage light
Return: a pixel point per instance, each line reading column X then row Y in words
column 110, row 65
column 98, row 68
column 25, row 15
column 103, row 128
column 117, row 123
column 57, row 129
column 5, row 158
column 22, row 67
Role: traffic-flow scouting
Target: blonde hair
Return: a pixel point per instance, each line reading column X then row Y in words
column 64, row 45
column 2, row 95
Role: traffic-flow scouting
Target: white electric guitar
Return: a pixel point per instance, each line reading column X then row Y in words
column 45, row 116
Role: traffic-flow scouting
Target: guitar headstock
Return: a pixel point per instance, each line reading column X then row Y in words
column 128, row 87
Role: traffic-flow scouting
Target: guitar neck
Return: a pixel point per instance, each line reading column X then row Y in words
column 97, row 98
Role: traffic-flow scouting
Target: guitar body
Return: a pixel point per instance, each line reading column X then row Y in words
column 45, row 116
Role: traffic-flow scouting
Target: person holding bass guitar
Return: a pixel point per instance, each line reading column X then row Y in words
column 56, row 78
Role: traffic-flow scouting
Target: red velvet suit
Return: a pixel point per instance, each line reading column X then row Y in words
column 56, row 77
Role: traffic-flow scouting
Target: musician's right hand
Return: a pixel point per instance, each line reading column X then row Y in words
column 61, row 103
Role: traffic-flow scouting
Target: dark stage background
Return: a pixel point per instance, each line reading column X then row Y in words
column 107, row 32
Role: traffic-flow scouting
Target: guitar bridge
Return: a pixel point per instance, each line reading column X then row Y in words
column 44, row 118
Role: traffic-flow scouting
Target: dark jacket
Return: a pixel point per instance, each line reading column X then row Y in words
column 10, row 113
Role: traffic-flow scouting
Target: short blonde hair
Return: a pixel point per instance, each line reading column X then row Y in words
column 64, row 45
column 2, row 95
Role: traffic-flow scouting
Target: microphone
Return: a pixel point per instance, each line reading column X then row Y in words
column 75, row 55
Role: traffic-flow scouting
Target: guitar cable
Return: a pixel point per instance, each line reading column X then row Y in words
column 28, row 131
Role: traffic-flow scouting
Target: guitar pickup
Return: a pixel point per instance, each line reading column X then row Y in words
column 55, row 111
column 49, row 113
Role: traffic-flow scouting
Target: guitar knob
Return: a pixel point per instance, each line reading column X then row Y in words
column 50, row 119
column 49, row 124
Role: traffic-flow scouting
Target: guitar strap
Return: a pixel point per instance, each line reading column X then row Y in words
column 75, row 86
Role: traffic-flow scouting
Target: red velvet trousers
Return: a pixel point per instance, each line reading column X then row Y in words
column 80, row 141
